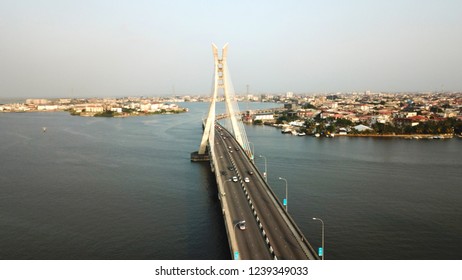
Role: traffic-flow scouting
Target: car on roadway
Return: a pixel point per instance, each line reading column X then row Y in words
column 241, row 225
column 246, row 179
column 250, row 172
column 234, row 179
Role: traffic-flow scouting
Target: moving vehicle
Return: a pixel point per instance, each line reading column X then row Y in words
column 241, row 225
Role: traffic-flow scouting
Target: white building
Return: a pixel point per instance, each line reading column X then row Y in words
column 145, row 107
column 47, row 107
column 116, row 109
column 342, row 131
column 94, row 108
column 297, row 123
column 380, row 119
column 155, row 107
column 362, row 128
column 263, row 117
column 364, row 107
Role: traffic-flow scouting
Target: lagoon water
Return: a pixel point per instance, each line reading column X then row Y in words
column 124, row 188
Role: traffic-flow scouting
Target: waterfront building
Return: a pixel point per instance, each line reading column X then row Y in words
column 362, row 128
column 116, row 109
column 47, row 107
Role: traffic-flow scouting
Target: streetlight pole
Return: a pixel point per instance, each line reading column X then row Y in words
column 236, row 253
column 287, row 198
column 252, row 150
column 322, row 236
column 265, row 174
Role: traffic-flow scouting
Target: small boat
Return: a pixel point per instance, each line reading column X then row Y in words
column 317, row 135
column 44, row 129
column 301, row 134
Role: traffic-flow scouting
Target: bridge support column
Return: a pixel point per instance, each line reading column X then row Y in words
column 221, row 81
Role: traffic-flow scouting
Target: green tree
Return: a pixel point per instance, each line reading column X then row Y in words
column 308, row 106
column 310, row 125
column 341, row 122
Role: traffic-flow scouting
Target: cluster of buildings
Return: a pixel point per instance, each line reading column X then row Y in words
column 93, row 106
column 382, row 108
column 366, row 109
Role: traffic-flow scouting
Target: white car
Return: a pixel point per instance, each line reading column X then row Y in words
column 234, row 179
column 246, row 179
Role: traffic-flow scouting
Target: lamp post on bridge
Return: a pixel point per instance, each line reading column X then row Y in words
column 285, row 201
column 241, row 227
column 252, row 151
column 264, row 174
column 321, row 250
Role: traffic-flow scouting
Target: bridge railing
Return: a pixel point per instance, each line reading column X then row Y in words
column 232, row 242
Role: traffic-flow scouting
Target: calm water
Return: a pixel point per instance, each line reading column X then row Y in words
column 98, row 188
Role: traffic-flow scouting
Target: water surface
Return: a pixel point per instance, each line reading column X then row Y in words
column 124, row 188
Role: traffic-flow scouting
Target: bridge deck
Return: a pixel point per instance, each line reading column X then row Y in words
column 270, row 232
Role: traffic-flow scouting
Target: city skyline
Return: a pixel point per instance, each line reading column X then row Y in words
column 56, row 48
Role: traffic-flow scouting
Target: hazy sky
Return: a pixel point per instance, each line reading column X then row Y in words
column 119, row 48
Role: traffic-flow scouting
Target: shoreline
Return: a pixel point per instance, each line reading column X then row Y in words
column 402, row 136
column 405, row 136
column 98, row 115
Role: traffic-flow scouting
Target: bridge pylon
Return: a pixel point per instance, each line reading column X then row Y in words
column 221, row 83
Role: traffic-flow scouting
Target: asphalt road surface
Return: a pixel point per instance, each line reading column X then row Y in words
column 283, row 239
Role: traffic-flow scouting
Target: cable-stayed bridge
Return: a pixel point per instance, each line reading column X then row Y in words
column 257, row 224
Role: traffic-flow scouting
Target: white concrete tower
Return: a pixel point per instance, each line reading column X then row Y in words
column 222, row 81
